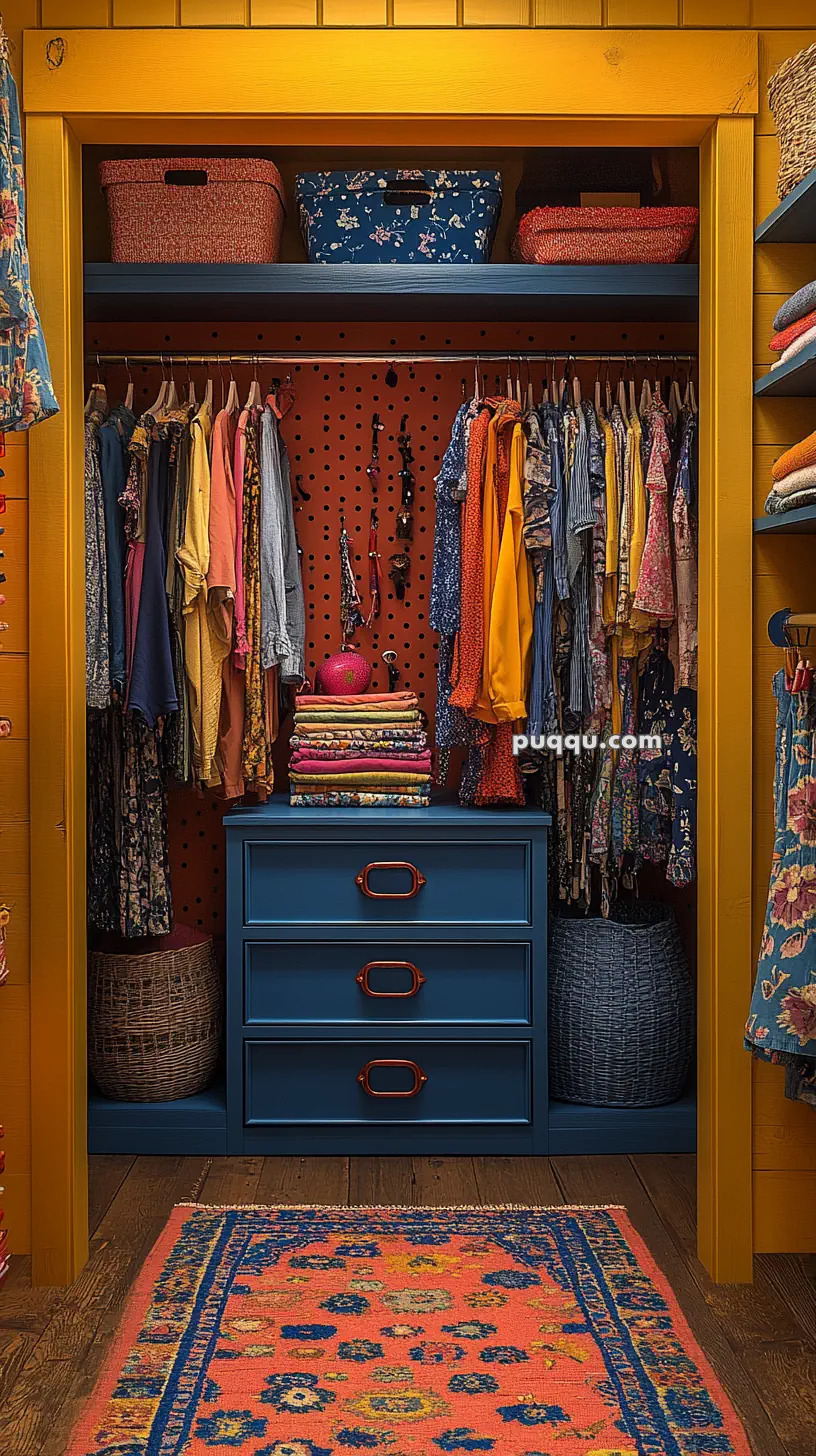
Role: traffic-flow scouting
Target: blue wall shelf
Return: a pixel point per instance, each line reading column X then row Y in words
column 788, row 523
column 794, row 380
column 794, row 220
column 392, row 292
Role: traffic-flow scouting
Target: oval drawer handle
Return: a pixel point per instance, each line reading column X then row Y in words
column 417, row 880
column 417, row 980
column 364, row 1077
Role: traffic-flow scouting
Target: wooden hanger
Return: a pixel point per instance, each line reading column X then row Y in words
column 129, row 392
column 161, row 399
column 598, row 409
column 254, row 398
column 233, row 401
column 208, row 393
column 190, row 401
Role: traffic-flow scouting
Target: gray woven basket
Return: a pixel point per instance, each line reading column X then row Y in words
column 621, row 1009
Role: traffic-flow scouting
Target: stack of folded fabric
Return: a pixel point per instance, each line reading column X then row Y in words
column 360, row 751
column 794, row 478
column 795, row 325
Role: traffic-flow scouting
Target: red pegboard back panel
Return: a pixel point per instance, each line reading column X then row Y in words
column 328, row 434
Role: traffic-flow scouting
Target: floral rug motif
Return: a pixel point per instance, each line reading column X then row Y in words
column 405, row 1332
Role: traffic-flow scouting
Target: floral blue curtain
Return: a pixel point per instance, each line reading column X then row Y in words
column 26, row 391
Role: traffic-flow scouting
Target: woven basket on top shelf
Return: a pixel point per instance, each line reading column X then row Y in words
column 792, row 99
column 155, row 1017
column 621, row 1009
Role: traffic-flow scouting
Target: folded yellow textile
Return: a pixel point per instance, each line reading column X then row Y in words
column 374, row 780
column 799, row 455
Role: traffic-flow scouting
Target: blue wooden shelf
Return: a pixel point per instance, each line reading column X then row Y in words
column 794, row 380
column 195, row 1125
column 575, row 1128
column 788, row 523
column 794, row 220
column 391, row 292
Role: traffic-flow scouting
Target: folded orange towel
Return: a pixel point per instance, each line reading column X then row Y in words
column 782, row 341
column 800, row 455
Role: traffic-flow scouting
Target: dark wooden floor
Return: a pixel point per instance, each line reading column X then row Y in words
column 760, row 1339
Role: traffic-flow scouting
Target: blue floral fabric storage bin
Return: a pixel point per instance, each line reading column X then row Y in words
column 399, row 216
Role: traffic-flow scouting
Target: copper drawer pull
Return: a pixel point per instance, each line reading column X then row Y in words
column 364, row 1077
column 417, row 880
column 417, row 980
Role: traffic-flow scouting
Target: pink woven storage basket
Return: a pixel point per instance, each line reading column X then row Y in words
column 605, row 235
column 194, row 209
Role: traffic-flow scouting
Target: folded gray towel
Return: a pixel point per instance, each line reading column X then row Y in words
column 779, row 505
column 802, row 302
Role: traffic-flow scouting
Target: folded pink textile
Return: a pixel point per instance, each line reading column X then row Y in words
column 362, row 750
column 303, row 765
column 355, row 700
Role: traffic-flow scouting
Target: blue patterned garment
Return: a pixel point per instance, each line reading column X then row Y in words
column 26, row 392
column 782, row 1019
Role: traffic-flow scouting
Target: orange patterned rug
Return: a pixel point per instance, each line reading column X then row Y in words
column 406, row 1332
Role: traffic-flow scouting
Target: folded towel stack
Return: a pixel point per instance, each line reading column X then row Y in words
column 795, row 325
column 794, row 478
column 360, row 751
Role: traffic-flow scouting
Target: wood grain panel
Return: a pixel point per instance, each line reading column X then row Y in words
column 784, row 1135
column 14, row 893
column 783, row 267
column 774, row 47
column 283, row 12
column 14, row 464
column 15, row 1073
column 766, row 169
column 214, row 12
column 144, row 12
column 75, row 14
column 17, row 1203
column 780, row 14
column 715, row 13
column 354, row 12
column 323, row 72
column 496, row 12
column 14, row 780
column 15, row 588
column 782, row 421
column 642, row 14
column 425, row 12
column 569, row 12
column 783, row 1212
column 14, row 697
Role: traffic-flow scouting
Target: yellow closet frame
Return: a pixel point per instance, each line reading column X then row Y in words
column 509, row 87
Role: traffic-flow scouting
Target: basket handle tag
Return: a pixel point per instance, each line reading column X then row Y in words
column 179, row 177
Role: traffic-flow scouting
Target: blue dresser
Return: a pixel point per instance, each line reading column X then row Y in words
column 386, row 980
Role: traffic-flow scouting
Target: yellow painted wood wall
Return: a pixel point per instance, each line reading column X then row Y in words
column 785, row 1134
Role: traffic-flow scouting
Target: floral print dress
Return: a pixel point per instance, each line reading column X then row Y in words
column 782, row 1020
column 26, row 392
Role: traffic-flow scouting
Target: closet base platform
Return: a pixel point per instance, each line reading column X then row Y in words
column 195, row 1125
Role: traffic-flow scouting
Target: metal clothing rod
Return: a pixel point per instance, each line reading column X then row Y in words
column 473, row 356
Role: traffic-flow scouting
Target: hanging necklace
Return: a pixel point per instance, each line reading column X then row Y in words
column 401, row 560
column 373, row 473
column 351, row 617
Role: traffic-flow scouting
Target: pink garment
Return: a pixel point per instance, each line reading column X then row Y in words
column 134, row 568
column 302, row 765
column 241, row 641
column 655, row 589
column 313, row 751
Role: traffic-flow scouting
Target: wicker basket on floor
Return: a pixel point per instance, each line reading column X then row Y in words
column 792, row 99
column 155, row 1017
column 621, row 1009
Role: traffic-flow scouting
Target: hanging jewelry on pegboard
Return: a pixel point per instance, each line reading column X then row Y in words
column 351, row 616
column 373, row 473
column 401, row 561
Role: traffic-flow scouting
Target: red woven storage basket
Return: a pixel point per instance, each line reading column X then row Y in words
column 194, row 209
column 605, row 235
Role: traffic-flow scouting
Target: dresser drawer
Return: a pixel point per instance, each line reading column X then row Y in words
column 387, row 880
column 370, row 982
column 326, row 1082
